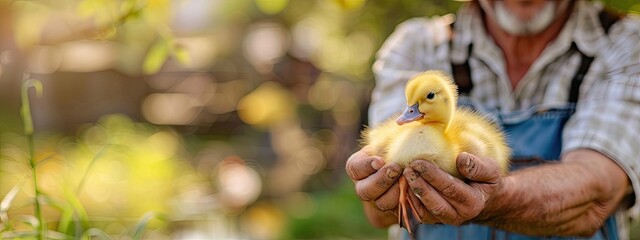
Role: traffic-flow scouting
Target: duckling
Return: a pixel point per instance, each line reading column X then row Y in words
column 433, row 129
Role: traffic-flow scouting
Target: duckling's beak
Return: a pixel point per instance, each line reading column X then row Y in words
column 410, row 114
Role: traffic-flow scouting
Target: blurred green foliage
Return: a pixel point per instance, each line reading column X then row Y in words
column 107, row 177
column 338, row 215
column 623, row 6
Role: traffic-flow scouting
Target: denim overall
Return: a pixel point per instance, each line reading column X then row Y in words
column 535, row 137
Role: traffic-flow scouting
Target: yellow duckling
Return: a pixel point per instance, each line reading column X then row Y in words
column 432, row 129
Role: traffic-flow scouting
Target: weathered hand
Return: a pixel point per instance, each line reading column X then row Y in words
column 376, row 183
column 441, row 198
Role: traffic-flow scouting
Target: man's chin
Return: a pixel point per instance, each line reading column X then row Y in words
column 513, row 25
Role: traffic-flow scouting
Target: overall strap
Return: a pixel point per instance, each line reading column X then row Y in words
column 607, row 19
column 585, row 63
column 462, row 75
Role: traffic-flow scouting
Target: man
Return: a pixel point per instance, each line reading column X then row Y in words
column 563, row 80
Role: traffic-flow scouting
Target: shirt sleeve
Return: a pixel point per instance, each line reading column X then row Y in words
column 607, row 118
column 408, row 51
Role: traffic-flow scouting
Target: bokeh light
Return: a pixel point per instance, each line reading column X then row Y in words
column 271, row 6
column 170, row 108
column 87, row 56
column 239, row 184
column 264, row 221
column 264, row 44
column 267, row 105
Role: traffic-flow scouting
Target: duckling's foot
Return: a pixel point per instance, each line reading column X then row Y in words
column 404, row 204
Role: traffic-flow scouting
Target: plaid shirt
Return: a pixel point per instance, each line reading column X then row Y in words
column 607, row 118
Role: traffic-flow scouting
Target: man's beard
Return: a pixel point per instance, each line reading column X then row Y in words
column 513, row 25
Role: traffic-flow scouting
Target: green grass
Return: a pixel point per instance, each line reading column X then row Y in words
column 339, row 214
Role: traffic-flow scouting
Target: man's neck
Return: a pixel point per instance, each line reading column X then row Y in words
column 521, row 51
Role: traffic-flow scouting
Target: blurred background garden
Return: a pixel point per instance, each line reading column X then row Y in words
column 189, row 119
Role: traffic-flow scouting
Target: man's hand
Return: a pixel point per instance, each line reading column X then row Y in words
column 376, row 185
column 567, row 198
column 442, row 198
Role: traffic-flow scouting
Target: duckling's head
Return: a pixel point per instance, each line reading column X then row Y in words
column 431, row 99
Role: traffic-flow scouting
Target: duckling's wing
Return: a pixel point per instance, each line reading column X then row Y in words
column 477, row 135
column 379, row 136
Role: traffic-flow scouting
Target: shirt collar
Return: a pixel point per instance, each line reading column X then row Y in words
column 588, row 33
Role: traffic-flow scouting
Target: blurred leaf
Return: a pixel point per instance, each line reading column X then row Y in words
column 133, row 8
column 157, row 12
column 66, row 217
column 4, row 207
column 103, row 12
column 141, row 226
column 29, row 220
column 25, row 110
column 350, row 4
column 182, row 55
column 86, row 172
column 271, row 6
column 67, row 212
column 635, row 9
column 623, row 5
column 50, row 234
column 156, row 57
column 6, row 201
column 95, row 232
column 77, row 207
column 20, row 235
column 4, row 227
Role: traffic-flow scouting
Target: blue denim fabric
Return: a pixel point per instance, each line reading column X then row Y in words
column 535, row 138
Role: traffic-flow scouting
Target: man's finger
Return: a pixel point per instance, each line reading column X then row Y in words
column 450, row 187
column 360, row 165
column 436, row 204
column 478, row 169
column 466, row 200
column 424, row 214
column 389, row 199
column 372, row 187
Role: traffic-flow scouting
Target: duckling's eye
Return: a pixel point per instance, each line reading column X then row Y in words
column 431, row 95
